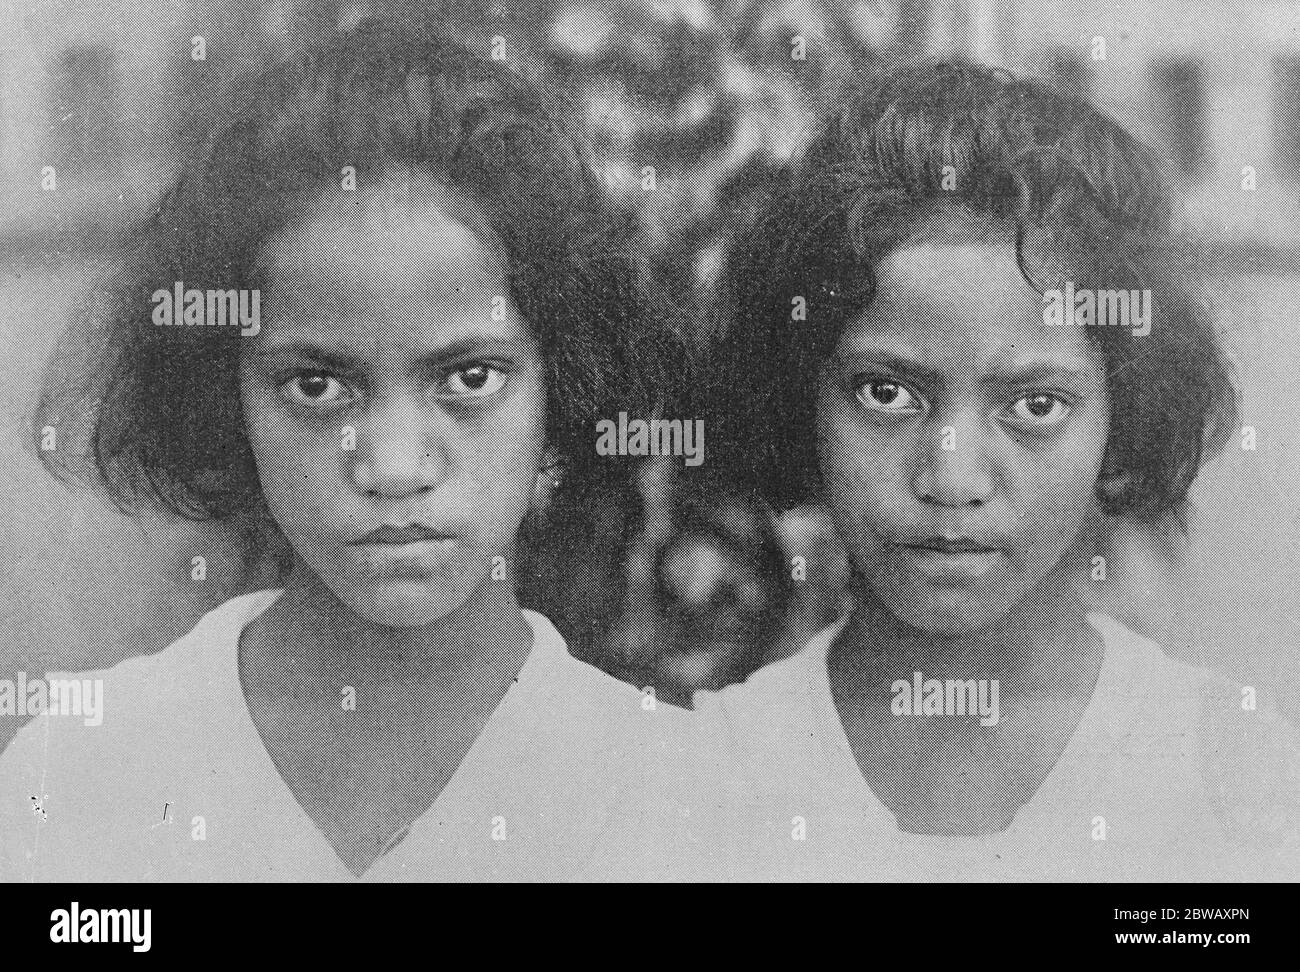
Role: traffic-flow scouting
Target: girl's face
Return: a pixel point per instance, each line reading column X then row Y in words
column 394, row 401
column 961, row 437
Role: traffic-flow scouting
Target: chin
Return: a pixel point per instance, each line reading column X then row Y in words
column 406, row 604
column 947, row 612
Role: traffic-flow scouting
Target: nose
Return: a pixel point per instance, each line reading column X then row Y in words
column 955, row 468
column 399, row 451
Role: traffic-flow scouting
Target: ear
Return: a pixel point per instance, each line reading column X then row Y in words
column 1113, row 482
column 548, row 480
column 1112, row 486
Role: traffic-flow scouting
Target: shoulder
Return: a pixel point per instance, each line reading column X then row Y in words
column 556, row 672
column 1143, row 687
column 769, row 730
column 145, row 708
column 747, row 754
column 570, row 696
column 786, row 687
column 182, row 680
column 148, row 726
column 1166, row 695
column 1239, row 757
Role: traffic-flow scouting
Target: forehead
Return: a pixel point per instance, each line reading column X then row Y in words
column 402, row 261
column 964, row 307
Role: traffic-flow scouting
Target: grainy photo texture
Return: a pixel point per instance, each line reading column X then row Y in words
column 649, row 440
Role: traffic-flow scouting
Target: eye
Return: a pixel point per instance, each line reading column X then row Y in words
column 1039, row 409
column 886, row 395
column 313, row 388
column 478, row 379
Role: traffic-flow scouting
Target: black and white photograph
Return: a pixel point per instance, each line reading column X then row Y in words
column 649, row 441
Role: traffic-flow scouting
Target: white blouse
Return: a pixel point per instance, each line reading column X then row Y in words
column 177, row 785
column 1169, row 776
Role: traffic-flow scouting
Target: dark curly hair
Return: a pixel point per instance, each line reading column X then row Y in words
column 1081, row 199
column 153, row 414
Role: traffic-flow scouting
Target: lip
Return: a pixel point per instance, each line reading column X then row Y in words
column 959, row 561
column 395, row 536
column 406, row 554
column 952, row 546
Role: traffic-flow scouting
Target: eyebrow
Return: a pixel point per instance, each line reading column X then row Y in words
column 337, row 359
column 926, row 374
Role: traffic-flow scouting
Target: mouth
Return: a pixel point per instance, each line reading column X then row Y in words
column 408, row 554
column 949, row 561
column 395, row 536
column 953, row 546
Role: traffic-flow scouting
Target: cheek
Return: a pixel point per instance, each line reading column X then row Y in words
column 291, row 458
column 298, row 468
column 1063, row 473
column 1054, row 496
column 862, row 474
column 502, row 485
column 1072, row 466
column 508, row 450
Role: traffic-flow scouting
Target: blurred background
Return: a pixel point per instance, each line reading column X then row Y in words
column 693, row 107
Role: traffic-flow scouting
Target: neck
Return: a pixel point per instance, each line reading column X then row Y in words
column 1043, row 639
column 487, row 634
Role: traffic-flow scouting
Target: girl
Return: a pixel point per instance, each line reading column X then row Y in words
column 437, row 308
column 890, row 345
